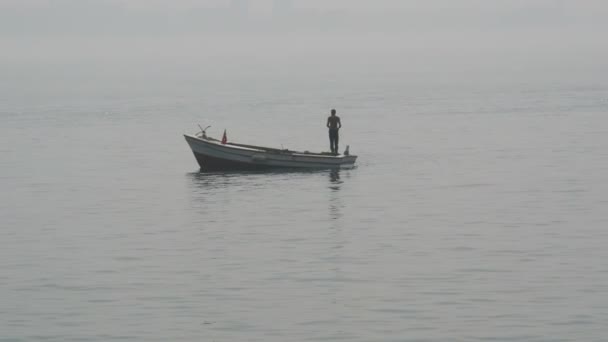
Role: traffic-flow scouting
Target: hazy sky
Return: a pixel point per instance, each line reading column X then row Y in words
column 77, row 17
column 429, row 33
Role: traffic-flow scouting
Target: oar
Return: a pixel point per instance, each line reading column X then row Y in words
column 203, row 133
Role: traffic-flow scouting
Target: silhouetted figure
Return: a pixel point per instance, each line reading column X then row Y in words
column 334, row 124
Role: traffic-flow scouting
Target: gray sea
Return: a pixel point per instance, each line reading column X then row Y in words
column 478, row 210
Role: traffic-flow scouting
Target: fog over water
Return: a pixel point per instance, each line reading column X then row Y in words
column 402, row 35
column 476, row 211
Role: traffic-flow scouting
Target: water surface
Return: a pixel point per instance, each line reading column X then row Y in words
column 476, row 211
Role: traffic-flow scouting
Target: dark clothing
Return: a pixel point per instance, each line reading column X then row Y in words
column 333, row 140
column 334, row 124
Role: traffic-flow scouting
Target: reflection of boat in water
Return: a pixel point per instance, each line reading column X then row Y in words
column 212, row 154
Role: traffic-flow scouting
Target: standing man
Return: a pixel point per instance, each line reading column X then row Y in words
column 334, row 124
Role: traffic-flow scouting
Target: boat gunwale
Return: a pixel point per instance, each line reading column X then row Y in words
column 269, row 150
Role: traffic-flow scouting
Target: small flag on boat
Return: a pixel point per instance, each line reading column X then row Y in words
column 224, row 138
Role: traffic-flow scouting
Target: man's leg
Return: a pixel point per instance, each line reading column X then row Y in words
column 331, row 141
column 336, row 139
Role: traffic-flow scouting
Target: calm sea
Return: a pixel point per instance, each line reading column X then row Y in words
column 477, row 210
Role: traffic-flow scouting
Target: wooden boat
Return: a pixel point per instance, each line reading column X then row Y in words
column 213, row 155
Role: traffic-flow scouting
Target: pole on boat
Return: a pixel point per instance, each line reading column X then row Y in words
column 203, row 131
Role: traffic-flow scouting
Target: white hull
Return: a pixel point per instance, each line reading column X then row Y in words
column 213, row 155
